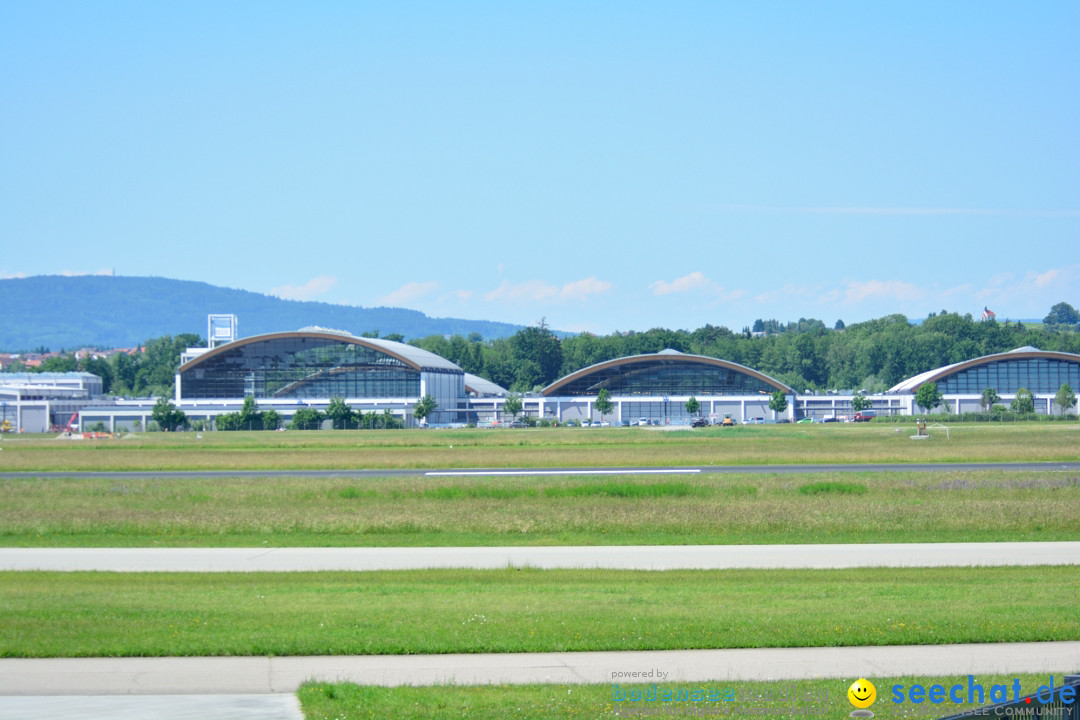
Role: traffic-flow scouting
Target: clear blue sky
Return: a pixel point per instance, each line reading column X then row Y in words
column 607, row 165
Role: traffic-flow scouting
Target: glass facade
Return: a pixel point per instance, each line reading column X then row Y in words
column 300, row 367
column 1039, row 375
column 665, row 377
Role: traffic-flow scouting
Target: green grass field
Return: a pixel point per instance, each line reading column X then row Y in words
column 805, row 698
column 562, row 447
column 825, row 698
column 574, row 510
column 444, row 611
column 527, row 610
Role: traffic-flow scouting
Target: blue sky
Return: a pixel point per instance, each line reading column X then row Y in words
column 607, row 166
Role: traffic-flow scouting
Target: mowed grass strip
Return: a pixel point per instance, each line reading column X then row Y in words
column 544, row 447
column 803, row 698
column 527, row 610
column 577, row 510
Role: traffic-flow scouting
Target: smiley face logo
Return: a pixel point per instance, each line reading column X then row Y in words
column 862, row 693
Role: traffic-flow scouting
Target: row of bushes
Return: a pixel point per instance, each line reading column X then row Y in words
column 1003, row 415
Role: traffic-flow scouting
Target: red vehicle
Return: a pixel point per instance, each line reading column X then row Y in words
column 864, row 416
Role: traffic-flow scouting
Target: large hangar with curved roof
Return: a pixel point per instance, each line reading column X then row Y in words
column 318, row 364
column 656, row 387
column 962, row 384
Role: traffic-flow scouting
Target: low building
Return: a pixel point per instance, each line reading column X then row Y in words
column 40, row 402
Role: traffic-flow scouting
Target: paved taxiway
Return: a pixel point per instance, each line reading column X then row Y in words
column 623, row 557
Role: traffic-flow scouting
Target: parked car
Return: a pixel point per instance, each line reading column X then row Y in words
column 699, row 422
column 756, row 421
column 643, row 421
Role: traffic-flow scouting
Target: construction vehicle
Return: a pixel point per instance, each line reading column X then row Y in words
column 6, row 426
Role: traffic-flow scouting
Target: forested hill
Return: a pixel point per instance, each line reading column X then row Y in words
column 70, row 312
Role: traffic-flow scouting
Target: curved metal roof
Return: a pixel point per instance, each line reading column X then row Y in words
column 414, row 357
column 483, row 387
column 664, row 356
column 912, row 384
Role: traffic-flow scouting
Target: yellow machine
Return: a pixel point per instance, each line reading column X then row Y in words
column 6, row 426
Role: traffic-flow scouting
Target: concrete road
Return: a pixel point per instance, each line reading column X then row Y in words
column 256, row 675
column 152, row 707
column 653, row 557
column 705, row 469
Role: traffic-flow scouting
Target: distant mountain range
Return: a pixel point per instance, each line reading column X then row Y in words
column 99, row 311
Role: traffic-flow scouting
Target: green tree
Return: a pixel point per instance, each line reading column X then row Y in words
column 249, row 418
column 156, row 365
column 339, row 413
column 538, row 355
column 271, row 420
column 1065, row 398
column 989, row 399
column 1062, row 314
column 306, row 419
column 227, row 422
column 512, row 405
column 603, row 403
column 167, row 416
column 693, row 407
column 124, row 369
column 59, row 364
column 928, row 396
column 425, row 407
column 778, row 401
column 1024, row 402
column 860, row 402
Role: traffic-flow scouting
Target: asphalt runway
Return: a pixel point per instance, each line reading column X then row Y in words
column 466, row 472
column 621, row 557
